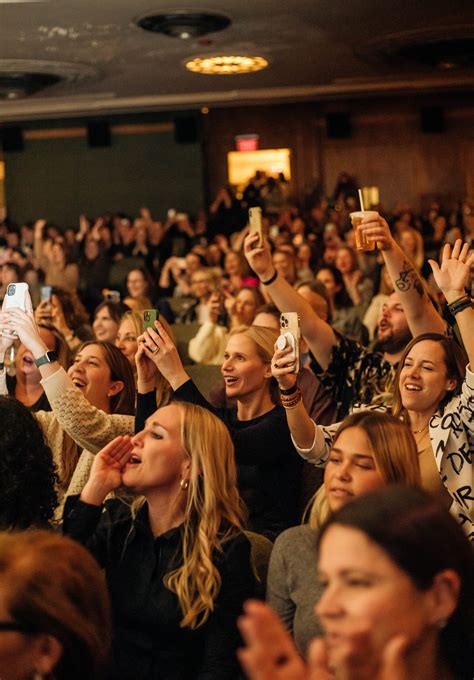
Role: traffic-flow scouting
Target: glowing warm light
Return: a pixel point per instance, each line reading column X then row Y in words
column 242, row 165
column 226, row 65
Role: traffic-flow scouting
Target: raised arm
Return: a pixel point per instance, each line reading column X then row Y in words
column 312, row 442
column 451, row 278
column 422, row 317
column 87, row 425
column 317, row 333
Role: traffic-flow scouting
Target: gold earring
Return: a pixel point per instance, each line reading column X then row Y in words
column 184, row 483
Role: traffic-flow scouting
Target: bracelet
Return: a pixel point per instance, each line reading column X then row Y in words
column 290, row 390
column 291, row 404
column 291, row 401
column 270, row 280
column 460, row 304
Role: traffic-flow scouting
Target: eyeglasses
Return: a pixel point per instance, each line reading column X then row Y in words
column 15, row 626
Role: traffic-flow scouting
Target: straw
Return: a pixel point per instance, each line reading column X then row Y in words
column 361, row 200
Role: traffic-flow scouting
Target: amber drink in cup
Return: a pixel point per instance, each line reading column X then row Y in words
column 361, row 241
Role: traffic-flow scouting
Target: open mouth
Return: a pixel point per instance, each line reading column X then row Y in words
column 78, row 383
column 230, row 379
column 134, row 460
column 29, row 361
column 412, row 388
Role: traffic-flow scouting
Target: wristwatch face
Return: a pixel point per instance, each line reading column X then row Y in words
column 47, row 358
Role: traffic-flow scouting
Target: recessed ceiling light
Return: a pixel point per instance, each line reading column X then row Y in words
column 183, row 24
column 226, row 65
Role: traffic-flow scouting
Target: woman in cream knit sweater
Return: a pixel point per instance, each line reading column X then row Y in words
column 91, row 404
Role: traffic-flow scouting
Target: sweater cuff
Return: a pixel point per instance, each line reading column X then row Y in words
column 56, row 384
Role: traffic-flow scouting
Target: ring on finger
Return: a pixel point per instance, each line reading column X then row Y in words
column 156, row 350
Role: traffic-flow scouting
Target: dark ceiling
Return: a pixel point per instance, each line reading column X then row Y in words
column 105, row 62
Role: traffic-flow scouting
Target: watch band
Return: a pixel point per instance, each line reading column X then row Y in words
column 47, row 358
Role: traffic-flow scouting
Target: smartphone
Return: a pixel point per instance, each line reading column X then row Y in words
column 290, row 335
column 255, row 220
column 149, row 318
column 17, row 296
column 111, row 295
column 46, row 292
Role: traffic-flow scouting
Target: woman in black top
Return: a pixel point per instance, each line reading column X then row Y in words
column 269, row 469
column 177, row 563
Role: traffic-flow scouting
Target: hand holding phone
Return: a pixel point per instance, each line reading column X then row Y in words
column 255, row 220
column 290, row 335
column 149, row 318
column 17, row 297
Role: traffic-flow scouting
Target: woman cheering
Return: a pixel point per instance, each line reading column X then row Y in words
column 177, row 563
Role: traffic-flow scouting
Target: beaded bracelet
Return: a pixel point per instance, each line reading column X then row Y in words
column 291, row 404
column 270, row 280
column 460, row 304
column 291, row 401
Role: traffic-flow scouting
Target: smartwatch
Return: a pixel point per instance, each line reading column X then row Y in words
column 47, row 358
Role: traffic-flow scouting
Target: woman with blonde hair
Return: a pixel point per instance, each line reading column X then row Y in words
column 130, row 329
column 180, row 549
column 55, row 613
column 269, row 469
column 370, row 450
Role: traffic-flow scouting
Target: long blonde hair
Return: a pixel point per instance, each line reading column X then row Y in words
column 214, row 512
column 393, row 447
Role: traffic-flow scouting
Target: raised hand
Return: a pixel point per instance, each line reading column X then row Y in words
column 259, row 259
column 451, row 277
column 25, row 326
column 377, row 231
column 107, row 469
column 214, row 306
column 270, row 653
column 39, row 228
column 283, row 367
column 161, row 350
column 146, row 368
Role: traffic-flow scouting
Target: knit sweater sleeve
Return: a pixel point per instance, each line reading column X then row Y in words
column 208, row 345
column 87, row 425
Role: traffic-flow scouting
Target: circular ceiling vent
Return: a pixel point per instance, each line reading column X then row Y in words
column 444, row 48
column 184, row 24
column 25, row 77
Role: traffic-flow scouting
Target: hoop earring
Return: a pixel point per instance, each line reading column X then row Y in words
column 184, row 483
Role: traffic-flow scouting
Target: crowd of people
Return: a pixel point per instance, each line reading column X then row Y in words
column 330, row 476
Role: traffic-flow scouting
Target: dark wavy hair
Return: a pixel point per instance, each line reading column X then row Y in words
column 73, row 309
column 423, row 539
column 27, row 473
column 342, row 298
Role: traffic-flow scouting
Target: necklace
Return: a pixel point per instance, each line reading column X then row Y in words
column 422, row 429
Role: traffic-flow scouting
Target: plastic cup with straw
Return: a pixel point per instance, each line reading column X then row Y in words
column 361, row 242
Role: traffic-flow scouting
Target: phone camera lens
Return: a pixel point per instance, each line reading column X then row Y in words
column 11, row 289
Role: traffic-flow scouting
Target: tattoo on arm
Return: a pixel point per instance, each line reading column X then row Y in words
column 408, row 278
